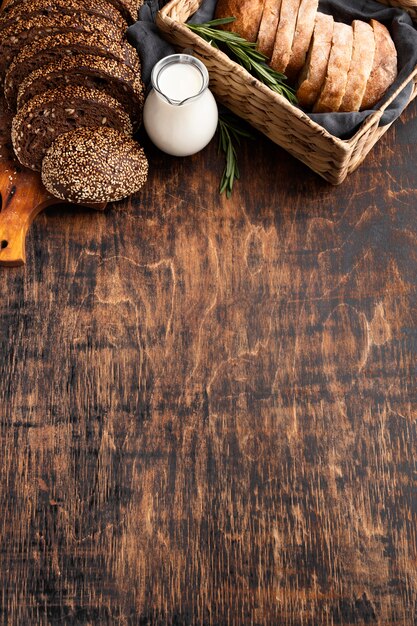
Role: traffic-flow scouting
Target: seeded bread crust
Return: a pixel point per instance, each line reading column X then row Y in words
column 128, row 8
column 52, row 49
column 360, row 66
column 41, row 120
column 314, row 72
column 334, row 86
column 92, row 72
column 32, row 8
column 248, row 14
column 94, row 165
column 384, row 69
column 302, row 36
column 268, row 27
column 13, row 38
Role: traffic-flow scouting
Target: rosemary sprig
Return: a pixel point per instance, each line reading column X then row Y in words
column 244, row 53
column 230, row 133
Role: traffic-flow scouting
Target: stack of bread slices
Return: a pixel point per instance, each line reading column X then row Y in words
column 74, row 85
column 334, row 66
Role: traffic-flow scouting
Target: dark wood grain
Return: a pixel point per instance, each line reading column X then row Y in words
column 208, row 408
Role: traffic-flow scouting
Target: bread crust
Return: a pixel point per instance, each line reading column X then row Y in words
column 334, row 86
column 360, row 66
column 248, row 14
column 314, row 71
column 302, row 36
column 94, row 165
column 384, row 69
column 268, row 27
column 285, row 35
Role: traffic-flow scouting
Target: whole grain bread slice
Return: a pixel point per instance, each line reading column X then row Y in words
column 129, row 9
column 302, row 37
column 314, row 72
column 41, row 120
column 32, row 8
column 285, row 35
column 360, row 66
column 268, row 27
column 13, row 38
column 334, row 86
column 384, row 69
column 248, row 14
column 69, row 45
column 92, row 72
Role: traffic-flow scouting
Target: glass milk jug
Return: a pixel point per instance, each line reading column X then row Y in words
column 180, row 113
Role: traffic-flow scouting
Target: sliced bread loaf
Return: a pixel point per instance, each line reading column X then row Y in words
column 94, row 165
column 32, row 8
column 248, row 14
column 41, row 120
column 57, row 47
column 268, row 27
column 92, row 72
column 302, row 37
column 384, row 68
column 334, row 86
column 314, row 72
column 14, row 37
column 360, row 66
column 285, row 35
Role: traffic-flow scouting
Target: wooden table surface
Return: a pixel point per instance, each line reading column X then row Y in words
column 208, row 407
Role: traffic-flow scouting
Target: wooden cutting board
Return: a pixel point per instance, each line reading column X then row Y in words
column 22, row 197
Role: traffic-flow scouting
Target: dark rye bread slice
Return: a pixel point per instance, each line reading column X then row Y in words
column 92, row 72
column 41, row 120
column 52, row 49
column 32, row 8
column 94, row 165
column 13, row 38
column 128, row 8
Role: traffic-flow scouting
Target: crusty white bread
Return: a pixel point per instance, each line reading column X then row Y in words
column 360, row 66
column 268, row 27
column 248, row 14
column 302, row 36
column 314, row 72
column 285, row 35
column 384, row 69
column 334, row 86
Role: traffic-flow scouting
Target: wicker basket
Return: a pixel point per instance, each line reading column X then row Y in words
column 285, row 124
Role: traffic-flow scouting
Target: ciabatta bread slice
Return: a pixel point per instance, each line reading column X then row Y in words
column 384, row 69
column 268, row 27
column 302, row 37
column 334, row 85
column 285, row 35
column 360, row 66
column 314, row 72
column 248, row 14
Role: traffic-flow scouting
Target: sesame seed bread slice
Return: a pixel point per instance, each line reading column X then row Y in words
column 32, row 8
column 41, row 120
column 268, row 27
column 285, row 35
column 92, row 72
column 127, row 8
column 13, row 38
column 52, row 49
column 248, row 14
column 360, row 66
column 384, row 69
column 334, row 86
column 94, row 165
column 302, row 37
column 314, row 72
